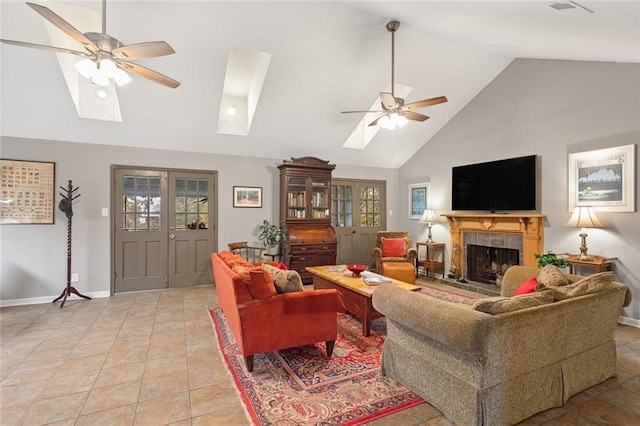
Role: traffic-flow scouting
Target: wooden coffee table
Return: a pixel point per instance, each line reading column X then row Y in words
column 355, row 293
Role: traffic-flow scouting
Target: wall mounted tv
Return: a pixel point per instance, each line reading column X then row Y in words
column 501, row 185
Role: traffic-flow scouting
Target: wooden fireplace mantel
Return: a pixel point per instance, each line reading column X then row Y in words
column 529, row 225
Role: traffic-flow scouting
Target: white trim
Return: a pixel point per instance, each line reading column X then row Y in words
column 629, row 321
column 49, row 299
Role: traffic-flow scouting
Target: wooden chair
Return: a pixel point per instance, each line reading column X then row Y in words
column 252, row 254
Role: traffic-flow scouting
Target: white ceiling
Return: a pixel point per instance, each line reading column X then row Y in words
column 326, row 57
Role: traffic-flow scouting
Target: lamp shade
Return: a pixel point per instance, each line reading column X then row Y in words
column 584, row 217
column 428, row 216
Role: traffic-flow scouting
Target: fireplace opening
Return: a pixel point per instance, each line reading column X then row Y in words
column 488, row 264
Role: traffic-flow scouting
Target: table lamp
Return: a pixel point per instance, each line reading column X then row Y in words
column 584, row 217
column 428, row 217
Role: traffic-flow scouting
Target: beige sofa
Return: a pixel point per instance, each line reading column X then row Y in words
column 482, row 369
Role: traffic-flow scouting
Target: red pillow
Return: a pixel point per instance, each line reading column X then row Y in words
column 261, row 286
column 526, row 287
column 394, row 247
column 282, row 266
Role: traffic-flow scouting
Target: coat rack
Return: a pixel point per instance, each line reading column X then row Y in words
column 66, row 206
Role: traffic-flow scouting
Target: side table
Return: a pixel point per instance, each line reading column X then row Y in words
column 597, row 263
column 273, row 256
column 433, row 260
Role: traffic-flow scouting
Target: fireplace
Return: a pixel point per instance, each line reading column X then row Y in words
column 487, row 265
column 518, row 231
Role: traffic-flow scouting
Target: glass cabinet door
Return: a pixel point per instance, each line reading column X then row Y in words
column 296, row 198
column 320, row 198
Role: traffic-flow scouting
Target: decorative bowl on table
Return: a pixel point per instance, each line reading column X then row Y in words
column 356, row 269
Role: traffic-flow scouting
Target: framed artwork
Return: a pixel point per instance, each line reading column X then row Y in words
column 27, row 192
column 603, row 179
column 247, row 196
column 418, row 199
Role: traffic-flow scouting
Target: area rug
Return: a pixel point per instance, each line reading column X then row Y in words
column 449, row 296
column 302, row 386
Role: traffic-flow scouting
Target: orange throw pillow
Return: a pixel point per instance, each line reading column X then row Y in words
column 394, row 247
column 261, row 286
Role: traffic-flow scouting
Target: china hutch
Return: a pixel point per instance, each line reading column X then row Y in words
column 305, row 200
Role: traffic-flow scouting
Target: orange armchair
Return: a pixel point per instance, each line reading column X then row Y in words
column 397, row 248
column 277, row 322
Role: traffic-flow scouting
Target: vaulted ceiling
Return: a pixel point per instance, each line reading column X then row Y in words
column 326, row 57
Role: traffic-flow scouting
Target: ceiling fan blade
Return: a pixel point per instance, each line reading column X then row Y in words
column 363, row 112
column 374, row 122
column 414, row 116
column 425, row 103
column 44, row 47
column 149, row 49
column 148, row 73
column 69, row 29
column 388, row 101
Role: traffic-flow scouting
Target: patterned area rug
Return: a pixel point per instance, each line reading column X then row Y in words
column 302, row 386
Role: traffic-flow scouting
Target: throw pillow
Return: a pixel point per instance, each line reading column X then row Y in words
column 282, row 266
column 499, row 304
column 394, row 247
column 261, row 286
column 591, row 284
column 284, row 281
column 526, row 287
column 550, row 275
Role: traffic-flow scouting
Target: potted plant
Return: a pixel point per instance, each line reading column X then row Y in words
column 271, row 235
column 550, row 258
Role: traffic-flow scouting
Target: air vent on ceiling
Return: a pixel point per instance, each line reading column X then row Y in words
column 569, row 5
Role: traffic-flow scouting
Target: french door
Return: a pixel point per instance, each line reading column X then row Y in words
column 163, row 228
column 357, row 214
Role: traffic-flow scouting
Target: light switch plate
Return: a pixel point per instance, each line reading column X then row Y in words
column 105, row 211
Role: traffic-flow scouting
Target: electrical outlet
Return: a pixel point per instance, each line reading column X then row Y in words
column 74, row 278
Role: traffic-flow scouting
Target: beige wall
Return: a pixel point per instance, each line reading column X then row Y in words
column 33, row 257
column 548, row 108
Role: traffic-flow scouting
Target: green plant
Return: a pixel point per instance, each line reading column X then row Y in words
column 550, row 258
column 270, row 234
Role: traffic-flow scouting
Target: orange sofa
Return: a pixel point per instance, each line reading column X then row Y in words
column 277, row 321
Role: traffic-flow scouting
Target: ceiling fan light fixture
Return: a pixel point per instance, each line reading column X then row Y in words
column 86, row 68
column 392, row 121
column 120, row 77
column 101, row 74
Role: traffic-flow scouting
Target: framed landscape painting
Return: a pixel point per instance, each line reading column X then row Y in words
column 603, row 179
column 247, row 196
column 418, row 199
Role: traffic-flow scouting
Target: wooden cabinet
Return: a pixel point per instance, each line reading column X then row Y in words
column 305, row 214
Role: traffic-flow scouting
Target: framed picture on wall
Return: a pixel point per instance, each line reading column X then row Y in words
column 26, row 192
column 418, row 199
column 603, row 179
column 247, row 196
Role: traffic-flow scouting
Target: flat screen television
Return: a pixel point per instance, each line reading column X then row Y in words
column 501, row 185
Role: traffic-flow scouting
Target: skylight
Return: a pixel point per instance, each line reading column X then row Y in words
column 246, row 71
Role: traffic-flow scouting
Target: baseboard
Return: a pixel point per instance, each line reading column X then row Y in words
column 49, row 299
column 629, row 321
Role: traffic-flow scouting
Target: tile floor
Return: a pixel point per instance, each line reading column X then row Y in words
column 150, row 358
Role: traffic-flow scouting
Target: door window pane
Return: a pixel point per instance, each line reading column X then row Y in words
column 370, row 206
column 192, row 204
column 141, row 203
column 341, row 205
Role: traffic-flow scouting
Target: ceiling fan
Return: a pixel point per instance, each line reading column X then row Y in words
column 105, row 57
column 395, row 113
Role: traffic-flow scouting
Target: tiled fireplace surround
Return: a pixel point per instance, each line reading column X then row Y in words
column 523, row 232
